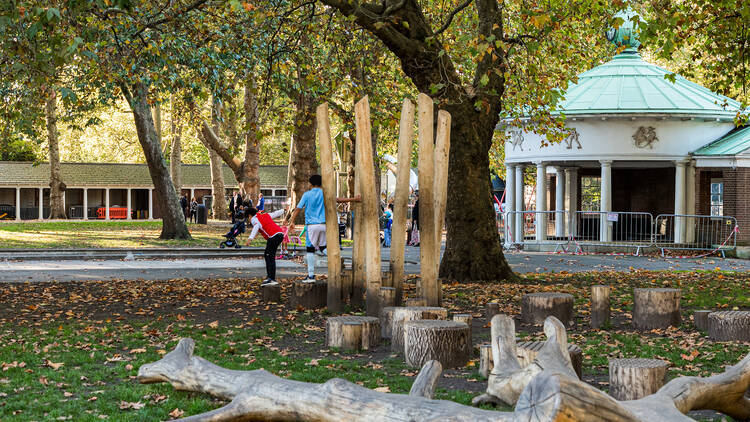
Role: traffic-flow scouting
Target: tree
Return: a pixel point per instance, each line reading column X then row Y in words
column 712, row 37
column 485, row 47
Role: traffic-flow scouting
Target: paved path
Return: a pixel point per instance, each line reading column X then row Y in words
column 522, row 262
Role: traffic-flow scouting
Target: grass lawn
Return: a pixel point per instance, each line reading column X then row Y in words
column 72, row 350
column 109, row 234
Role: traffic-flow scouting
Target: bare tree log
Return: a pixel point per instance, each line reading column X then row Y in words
column 632, row 379
column 493, row 308
column 553, row 397
column 427, row 379
column 527, row 351
column 599, row 306
column 309, row 295
column 536, row 307
column 368, row 336
column 260, row 395
column 729, row 325
column 656, row 308
column 443, row 341
column 428, row 285
column 401, row 198
column 401, row 315
column 508, row 379
column 271, row 292
column 700, row 319
column 485, row 360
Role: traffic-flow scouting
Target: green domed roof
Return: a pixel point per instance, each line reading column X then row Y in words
column 628, row 85
column 626, row 35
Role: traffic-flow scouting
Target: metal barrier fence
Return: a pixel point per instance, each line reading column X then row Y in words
column 535, row 227
column 619, row 229
column 616, row 229
column 695, row 232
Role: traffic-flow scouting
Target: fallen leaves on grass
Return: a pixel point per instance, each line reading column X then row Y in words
column 127, row 405
column 176, row 413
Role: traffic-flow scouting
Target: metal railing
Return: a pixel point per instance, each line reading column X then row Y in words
column 695, row 232
column 574, row 231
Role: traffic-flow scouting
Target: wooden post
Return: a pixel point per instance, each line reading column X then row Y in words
column 387, row 296
column 401, row 199
column 369, row 213
column 493, row 308
column 358, row 247
column 599, row 306
column 442, row 151
column 328, row 175
column 428, row 284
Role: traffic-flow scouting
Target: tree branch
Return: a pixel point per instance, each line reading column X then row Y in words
column 455, row 11
column 212, row 141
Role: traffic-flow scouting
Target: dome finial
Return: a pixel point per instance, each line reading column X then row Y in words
column 626, row 35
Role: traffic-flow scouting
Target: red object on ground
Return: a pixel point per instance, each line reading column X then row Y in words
column 114, row 213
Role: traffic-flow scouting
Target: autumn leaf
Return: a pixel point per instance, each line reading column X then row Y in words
column 125, row 405
column 384, row 389
column 53, row 365
column 214, row 324
column 176, row 413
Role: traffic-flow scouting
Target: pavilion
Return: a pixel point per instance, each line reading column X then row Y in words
column 644, row 153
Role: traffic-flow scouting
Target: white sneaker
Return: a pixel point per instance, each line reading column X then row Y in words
column 309, row 279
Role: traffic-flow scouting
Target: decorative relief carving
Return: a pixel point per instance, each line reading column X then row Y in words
column 645, row 137
column 573, row 137
column 516, row 139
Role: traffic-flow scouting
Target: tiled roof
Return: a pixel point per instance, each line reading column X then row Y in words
column 627, row 84
column 116, row 174
column 733, row 143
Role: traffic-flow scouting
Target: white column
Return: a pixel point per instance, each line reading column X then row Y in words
column 106, row 204
column 690, row 202
column 605, row 206
column 679, row 201
column 519, row 196
column 560, row 202
column 150, row 204
column 18, row 204
column 65, row 204
column 41, row 204
column 192, row 195
column 510, row 202
column 128, row 201
column 85, row 203
column 571, row 199
column 541, row 201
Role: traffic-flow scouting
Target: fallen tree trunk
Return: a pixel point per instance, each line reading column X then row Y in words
column 260, row 395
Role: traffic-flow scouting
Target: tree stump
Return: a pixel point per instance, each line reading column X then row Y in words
column 656, row 308
column 599, row 306
column 527, row 351
column 493, row 308
column 340, row 333
column 536, row 307
column 386, row 321
column 411, row 313
column 485, row 360
column 700, row 320
column 309, row 295
column 632, row 379
column 729, row 325
column 415, row 301
column 443, row 341
column 271, row 292
column 388, row 296
column 466, row 319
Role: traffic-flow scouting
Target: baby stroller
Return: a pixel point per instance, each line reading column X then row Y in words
column 237, row 229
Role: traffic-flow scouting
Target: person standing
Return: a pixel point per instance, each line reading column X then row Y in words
column 263, row 223
column 414, row 238
column 237, row 202
column 231, row 208
column 315, row 220
column 387, row 230
column 261, row 202
column 184, row 205
column 193, row 210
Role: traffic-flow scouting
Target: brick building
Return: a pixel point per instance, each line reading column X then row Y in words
column 651, row 159
column 125, row 189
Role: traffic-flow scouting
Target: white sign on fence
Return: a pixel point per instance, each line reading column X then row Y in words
column 612, row 216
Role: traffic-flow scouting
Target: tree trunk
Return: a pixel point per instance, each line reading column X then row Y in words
column 471, row 228
column 303, row 153
column 175, row 151
column 219, row 204
column 57, row 187
column 249, row 177
column 173, row 220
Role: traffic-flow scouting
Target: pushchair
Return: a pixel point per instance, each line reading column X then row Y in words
column 237, row 229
